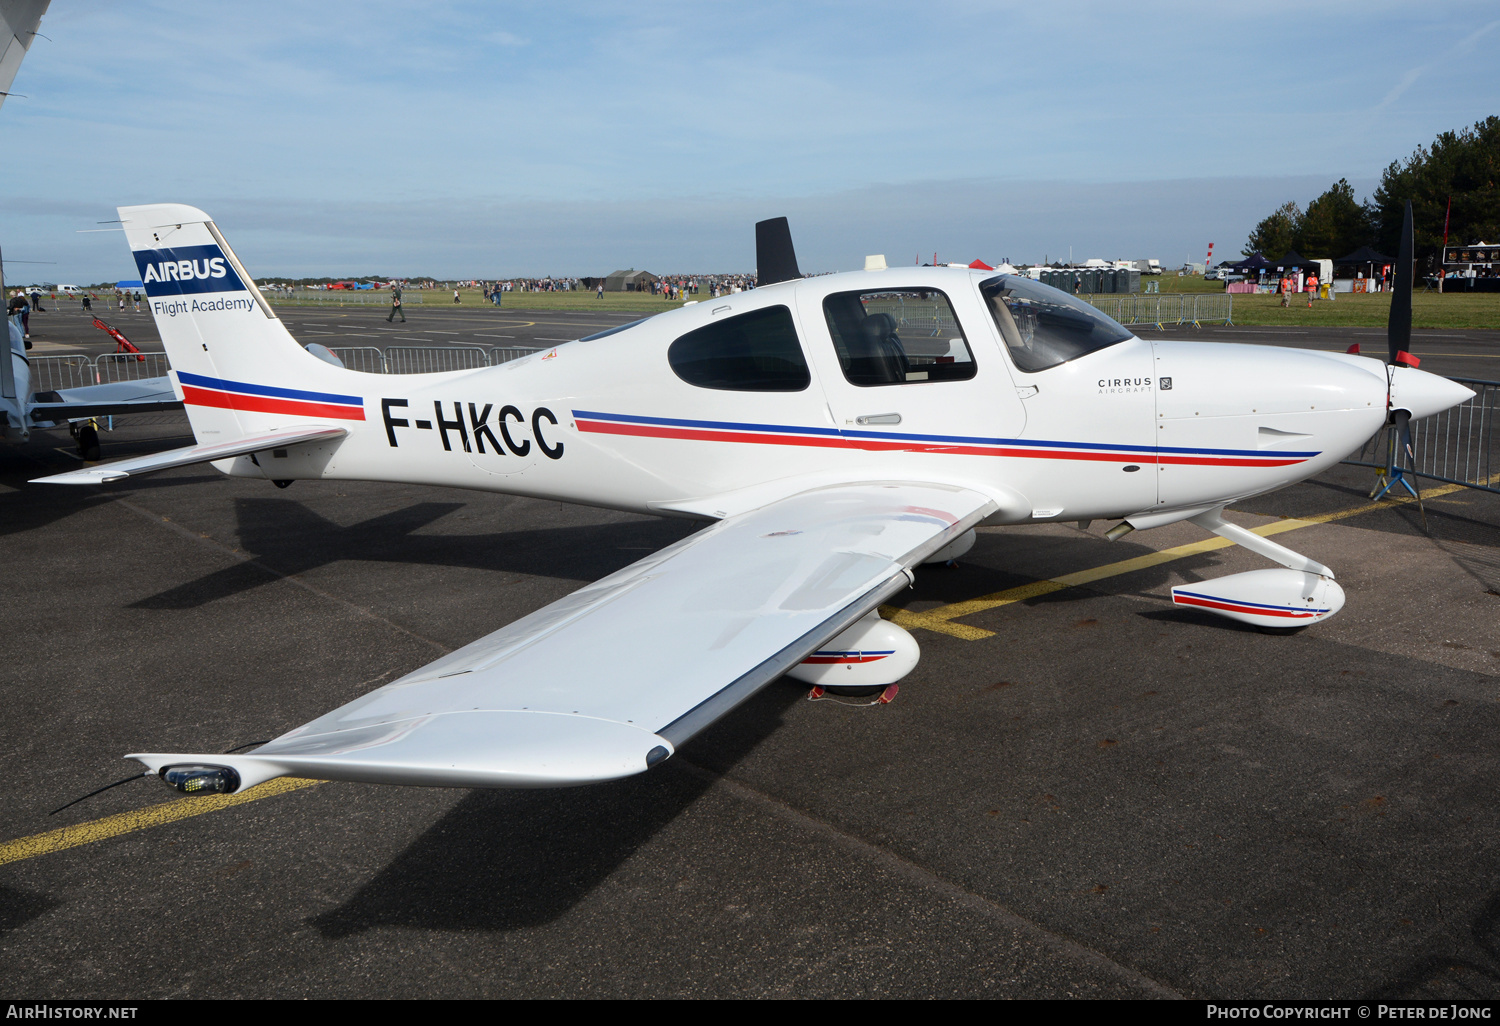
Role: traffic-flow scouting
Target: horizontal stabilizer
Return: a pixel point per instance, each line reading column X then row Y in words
column 195, row 454
column 113, row 398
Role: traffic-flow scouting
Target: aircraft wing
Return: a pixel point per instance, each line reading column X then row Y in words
column 146, row 395
column 18, row 24
column 611, row 679
column 191, row 454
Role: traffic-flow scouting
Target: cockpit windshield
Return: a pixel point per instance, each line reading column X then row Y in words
column 1043, row 326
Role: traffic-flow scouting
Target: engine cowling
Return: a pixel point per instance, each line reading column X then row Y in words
column 872, row 653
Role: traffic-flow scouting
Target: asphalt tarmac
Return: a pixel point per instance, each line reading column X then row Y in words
column 1083, row 792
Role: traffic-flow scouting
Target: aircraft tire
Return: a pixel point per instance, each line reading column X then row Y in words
column 863, row 691
column 88, row 443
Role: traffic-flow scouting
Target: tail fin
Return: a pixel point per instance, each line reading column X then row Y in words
column 238, row 369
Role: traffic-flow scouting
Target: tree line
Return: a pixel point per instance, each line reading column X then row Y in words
column 1461, row 166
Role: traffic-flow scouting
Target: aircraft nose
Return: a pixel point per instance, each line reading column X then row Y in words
column 1424, row 394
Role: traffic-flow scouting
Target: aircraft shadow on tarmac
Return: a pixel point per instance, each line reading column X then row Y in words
column 31, row 506
column 288, row 538
column 18, row 907
column 507, row 860
column 983, row 571
column 1456, row 970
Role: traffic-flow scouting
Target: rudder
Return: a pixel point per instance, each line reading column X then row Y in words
column 238, row 369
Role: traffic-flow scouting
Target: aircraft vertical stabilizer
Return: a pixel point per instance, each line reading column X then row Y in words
column 238, row 369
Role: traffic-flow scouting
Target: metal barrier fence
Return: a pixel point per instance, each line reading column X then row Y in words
column 505, row 354
column 50, row 373
column 1456, row 446
column 129, row 366
column 366, row 359
column 1166, row 308
column 434, row 360
column 426, row 359
column 916, row 317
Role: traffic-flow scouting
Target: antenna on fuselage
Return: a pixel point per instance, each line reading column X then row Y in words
column 775, row 259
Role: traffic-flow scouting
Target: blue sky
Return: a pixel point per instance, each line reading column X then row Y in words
column 490, row 139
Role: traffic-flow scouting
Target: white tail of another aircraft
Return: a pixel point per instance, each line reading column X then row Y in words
column 236, row 367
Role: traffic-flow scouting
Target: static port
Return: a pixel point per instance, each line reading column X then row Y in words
column 202, row 779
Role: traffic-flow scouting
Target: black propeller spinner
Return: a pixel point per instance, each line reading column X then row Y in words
column 775, row 260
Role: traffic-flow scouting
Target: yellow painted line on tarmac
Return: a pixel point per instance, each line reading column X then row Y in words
column 141, row 819
column 942, row 618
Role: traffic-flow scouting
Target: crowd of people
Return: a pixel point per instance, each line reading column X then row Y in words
column 681, row 286
column 23, row 302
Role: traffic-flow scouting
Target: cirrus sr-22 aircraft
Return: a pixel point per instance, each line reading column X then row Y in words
column 837, row 432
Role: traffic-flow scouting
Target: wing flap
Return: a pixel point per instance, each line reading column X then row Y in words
column 659, row 649
column 191, row 454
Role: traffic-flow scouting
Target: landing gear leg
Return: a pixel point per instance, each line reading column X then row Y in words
column 1273, row 601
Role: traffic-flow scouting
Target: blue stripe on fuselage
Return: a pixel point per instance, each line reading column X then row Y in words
column 901, row 436
column 245, row 388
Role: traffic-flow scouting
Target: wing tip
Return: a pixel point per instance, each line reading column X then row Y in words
column 81, row 477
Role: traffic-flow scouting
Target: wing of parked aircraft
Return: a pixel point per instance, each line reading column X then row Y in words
column 18, row 24
column 147, row 395
column 189, row 455
column 611, row 679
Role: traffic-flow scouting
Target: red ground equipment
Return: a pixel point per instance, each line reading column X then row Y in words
column 122, row 344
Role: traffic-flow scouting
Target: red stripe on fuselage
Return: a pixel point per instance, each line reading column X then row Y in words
column 951, row 449
column 1235, row 608
column 827, row 660
column 265, row 404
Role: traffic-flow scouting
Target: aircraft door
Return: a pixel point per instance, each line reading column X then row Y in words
column 913, row 369
column 1089, row 450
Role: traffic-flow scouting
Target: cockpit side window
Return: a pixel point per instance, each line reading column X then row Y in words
column 896, row 336
column 753, row 352
column 1043, row 326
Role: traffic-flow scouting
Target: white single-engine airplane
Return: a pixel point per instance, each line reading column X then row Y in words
column 838, row 431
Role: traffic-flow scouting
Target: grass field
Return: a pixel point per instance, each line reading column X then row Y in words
column 1429, row 310
column 1188, row 283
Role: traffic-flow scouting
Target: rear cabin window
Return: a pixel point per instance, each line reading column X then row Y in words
column 897, row 336
column 753, row 352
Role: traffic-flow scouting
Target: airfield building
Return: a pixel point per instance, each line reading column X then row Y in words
column 630, row 281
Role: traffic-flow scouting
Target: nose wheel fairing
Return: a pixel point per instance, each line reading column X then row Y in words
column 1278, row 598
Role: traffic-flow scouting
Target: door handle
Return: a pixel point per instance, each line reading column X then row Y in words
column 878, row 418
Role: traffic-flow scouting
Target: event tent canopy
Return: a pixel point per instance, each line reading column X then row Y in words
column 1295, row 259
column 980, row 265
column 1365, row 255
column 1253, row 262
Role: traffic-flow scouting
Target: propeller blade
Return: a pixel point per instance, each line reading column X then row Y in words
column 1402, row 421
column 1398, row 329
column 775, row 260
